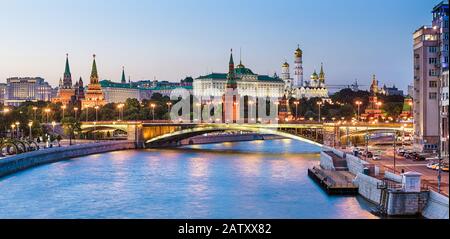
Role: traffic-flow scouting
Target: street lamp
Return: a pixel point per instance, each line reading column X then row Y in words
column 169, row 106
column 358, row 103
column 320, row 108
column 47, row 111
column 64, row 107
column 120, row 108
column 251, row 103
column 30, row 124
column 12, row 130
column 296, row 103
column 35, row 109
column 76, row 112
column 17, row 129
column 153, row 111
column 96, row 112
column 53, row 126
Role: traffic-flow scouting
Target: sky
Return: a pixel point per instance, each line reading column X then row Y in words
column 171, row 39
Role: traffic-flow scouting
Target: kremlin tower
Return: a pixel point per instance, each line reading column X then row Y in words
column 94, row 94
column 65, row 91
column 231, row 98
column 298, row 68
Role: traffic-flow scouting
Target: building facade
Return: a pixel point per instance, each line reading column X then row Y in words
column 19, row 90
column 94, row 95
column 430, row 70
column 440, row 22
column 426, row 77
column 248, row 84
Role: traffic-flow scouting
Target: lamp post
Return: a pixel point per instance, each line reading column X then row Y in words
column 35, row 109
column 31, row 134
column 96, row 112
column 53, row 126
column 64, row 107
column 358, row 103
column 87, row 113
column 12, row 130
column 5, row 111
column 169, row 107
column 17, row 129
column 47, row 111
column 250, row 104
column 76, row 112
column 153, row 111
column 120, row 108
column 296, row 103
column 320, row 108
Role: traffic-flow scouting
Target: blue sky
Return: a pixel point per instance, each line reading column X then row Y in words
column 170, row 39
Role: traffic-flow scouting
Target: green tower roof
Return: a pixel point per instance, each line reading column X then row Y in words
column 67, row 70
column 94, row 69
column 124, row 80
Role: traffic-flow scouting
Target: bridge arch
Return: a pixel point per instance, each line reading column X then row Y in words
column 191, row 132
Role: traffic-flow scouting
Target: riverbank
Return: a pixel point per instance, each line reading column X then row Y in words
column 384, row 188
column 24, row 161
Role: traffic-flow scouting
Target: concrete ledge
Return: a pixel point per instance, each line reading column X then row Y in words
column 393, row 177
column 24, row 161
column 326, row 162
column 437, row 206
column 368, row 187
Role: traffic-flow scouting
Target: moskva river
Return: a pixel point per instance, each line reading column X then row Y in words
column 259, row 179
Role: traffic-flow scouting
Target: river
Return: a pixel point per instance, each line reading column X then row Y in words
column 258, row 179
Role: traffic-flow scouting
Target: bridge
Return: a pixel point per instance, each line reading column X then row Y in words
column 166, row 133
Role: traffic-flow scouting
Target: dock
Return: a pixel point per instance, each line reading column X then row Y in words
column 334, row 182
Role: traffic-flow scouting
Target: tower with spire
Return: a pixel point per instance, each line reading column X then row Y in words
column 321, row 77
column 66, row 91
column 67, row 79
column 94, row 94
column 231, row 98
column 123, row 80
column 298, row 68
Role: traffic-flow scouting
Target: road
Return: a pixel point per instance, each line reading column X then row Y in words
column 429, row 176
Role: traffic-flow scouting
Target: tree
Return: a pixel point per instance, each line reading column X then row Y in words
column 71, row 125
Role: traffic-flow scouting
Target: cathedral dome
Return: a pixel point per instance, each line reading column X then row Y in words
column 285, row 64
column 298, row 52
column 314, row 76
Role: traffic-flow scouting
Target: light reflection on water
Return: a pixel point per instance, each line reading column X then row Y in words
column 259, row 179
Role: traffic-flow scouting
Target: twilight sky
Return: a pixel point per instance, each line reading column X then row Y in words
column 171, row 39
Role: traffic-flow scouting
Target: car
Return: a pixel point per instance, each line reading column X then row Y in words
column 376, row 157
column 432, row 165
column 445, row 168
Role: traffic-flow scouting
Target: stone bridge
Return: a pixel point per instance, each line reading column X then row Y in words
column 165, row 133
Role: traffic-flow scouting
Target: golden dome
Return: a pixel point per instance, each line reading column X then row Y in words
column 298, row 52
column 285, row 64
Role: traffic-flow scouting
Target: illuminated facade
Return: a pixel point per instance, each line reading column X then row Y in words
column 94, row 94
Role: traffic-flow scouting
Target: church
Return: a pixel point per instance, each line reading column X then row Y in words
column 298, row 87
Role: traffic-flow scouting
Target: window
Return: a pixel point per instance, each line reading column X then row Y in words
column 433, row 72
column 432, row 60
column 432, row 84
column 432, row 95
column 432, row 49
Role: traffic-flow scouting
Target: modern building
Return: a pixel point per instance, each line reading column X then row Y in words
column 430, row 64
column 298, row 87
column 426, row 77
column 2, row 93
column 248, row 84
column 94, row 95
column 440, row 22
column 19, row 90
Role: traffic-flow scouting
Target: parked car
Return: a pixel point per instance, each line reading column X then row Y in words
column 432, row 165
column 376, row 157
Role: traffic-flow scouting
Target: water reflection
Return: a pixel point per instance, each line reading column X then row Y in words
column 260, row 179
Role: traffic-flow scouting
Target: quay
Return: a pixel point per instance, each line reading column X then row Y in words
column 334, row 182
column 24, row 161
column 393, row 195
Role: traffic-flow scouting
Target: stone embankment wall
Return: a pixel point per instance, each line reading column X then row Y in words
column 368, row 187
column 24, row 161
column 326, row 162
column 437, row 206
column 212, row 139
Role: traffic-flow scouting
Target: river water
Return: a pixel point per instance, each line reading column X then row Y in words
column 259, row 179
